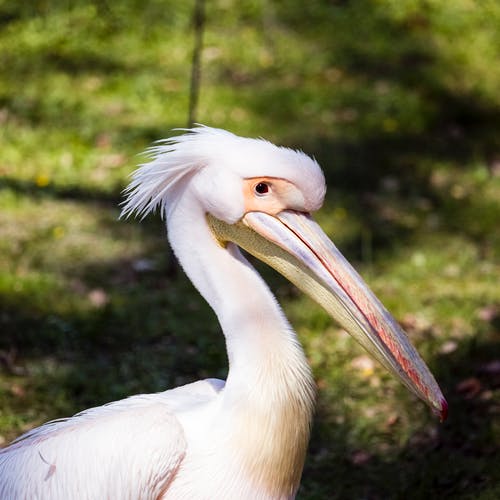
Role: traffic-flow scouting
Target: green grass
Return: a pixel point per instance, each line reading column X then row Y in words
column 399, row 103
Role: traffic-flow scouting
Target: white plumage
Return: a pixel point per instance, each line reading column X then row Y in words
column 245, row 438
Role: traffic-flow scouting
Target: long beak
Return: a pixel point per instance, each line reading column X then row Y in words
column 296, row 246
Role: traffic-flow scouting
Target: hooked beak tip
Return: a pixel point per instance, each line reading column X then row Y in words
column 443, row 414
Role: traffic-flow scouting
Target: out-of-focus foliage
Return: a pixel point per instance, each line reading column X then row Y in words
column 399, row 102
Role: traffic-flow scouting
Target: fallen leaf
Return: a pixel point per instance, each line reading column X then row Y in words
column 321, row 383
column 448, row 347
column 17, row 390
column 98, row 297
column 364, row 365
column 392, row 420
column 360, row 457
column 488, row 313
column 469, row 387
column 491, row 368
column 143, row 265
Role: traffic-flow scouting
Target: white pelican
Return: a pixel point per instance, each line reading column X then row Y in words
column 245, row 438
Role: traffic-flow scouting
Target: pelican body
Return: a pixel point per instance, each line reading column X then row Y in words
column 245, row 438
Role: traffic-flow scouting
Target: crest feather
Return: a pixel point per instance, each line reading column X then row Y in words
column 172, row 160
column 177, row 159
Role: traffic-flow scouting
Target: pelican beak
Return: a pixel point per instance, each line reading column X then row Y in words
column 293, row 244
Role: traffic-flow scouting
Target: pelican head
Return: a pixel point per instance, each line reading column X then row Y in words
column 260, row 197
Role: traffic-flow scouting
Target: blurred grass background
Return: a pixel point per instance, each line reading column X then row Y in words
column 400, row 103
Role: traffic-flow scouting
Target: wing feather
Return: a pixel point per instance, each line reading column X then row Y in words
column 128, row 449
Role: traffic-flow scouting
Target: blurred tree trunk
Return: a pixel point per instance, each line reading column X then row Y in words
column 194, row 92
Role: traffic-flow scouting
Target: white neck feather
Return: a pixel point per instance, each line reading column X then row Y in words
column 269, row 389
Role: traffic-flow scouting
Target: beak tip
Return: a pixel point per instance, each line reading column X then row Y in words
column 443, row 411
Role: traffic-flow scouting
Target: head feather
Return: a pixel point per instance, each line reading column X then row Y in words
column 177, row 159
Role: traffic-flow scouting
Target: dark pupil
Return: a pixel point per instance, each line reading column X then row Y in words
column 262, row 188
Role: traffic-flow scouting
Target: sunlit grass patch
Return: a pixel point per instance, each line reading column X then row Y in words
column 399, row 103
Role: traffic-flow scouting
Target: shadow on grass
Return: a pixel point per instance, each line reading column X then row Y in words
column 155, row 334
column 150, row 333
column 393, row 69
column 457, row 459
column 55, row 191
column 137, row 331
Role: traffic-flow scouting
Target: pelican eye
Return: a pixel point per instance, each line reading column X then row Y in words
column 262, row 188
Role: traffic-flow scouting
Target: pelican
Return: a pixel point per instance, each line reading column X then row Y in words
column 244, row 438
